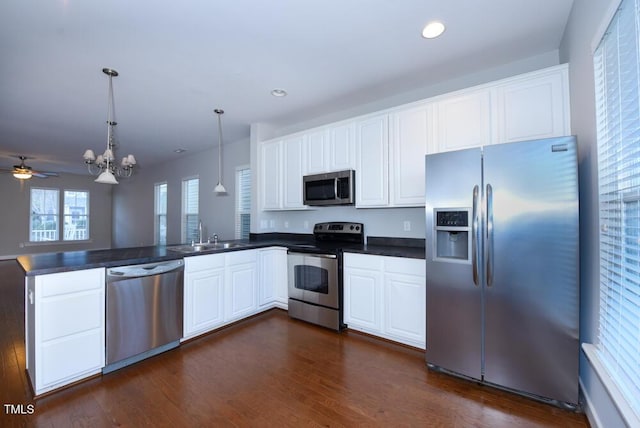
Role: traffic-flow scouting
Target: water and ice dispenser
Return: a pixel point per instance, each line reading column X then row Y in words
column 452, row 235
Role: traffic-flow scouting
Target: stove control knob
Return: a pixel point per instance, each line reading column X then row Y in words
column 351, row 227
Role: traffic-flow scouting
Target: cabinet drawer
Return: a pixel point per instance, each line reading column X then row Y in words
column 403, row 265
column 70, row 282
column 62, row 361
column 207, row 261
column 60, row 315
column 240, row 257
column 363, row 261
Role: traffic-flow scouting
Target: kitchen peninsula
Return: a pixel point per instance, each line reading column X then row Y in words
column 65, row 296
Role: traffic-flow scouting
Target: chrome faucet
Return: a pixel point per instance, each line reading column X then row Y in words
column 200, row 231
column 215, row 238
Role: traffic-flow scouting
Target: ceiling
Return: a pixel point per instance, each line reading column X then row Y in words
column 180, row 60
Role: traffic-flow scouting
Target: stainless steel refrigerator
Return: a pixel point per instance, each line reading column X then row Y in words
column 502, row 266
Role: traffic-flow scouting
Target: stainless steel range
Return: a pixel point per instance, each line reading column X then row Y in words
column 315, row 274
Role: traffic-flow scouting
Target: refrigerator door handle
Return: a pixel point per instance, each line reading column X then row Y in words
column 474, row 235
column 489, row 253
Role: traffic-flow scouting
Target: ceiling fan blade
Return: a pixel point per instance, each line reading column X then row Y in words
column 44, row 174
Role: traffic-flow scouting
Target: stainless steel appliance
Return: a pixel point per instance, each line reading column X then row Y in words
column 144, row 311
column 502, row 266
column 315, row 274
column 332, row 188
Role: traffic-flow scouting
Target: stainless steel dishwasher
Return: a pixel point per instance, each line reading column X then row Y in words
column 144, row 311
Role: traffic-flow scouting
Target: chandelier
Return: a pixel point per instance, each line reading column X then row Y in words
column 104, row 165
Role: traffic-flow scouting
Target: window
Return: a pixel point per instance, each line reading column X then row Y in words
column 160, row 213
column 190, row 209
column 243, row 202
column 76, row 215
column 617, row 73
column 45, row 215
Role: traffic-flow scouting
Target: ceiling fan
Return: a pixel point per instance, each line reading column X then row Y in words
column 25, row 172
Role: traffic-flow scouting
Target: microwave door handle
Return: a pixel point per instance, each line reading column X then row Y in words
column 335, row 188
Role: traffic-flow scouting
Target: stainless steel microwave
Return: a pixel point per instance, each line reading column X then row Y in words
column 331, row 188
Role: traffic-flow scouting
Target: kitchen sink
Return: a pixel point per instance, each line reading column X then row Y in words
column 206, row 247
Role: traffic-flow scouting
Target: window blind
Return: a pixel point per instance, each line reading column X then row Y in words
column 161, row 213
column 243, row 203
column 190, row 214
column 617, row 76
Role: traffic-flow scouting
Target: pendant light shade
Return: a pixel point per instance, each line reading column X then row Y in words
column 106, row 177
column 219, row 187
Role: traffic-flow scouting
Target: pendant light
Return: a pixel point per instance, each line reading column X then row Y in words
column 104, row 165
column 219, row 187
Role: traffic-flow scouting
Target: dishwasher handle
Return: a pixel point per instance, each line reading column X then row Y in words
column 134, row 271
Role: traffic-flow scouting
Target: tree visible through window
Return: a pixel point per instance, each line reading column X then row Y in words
column 45, row 221
column 44, row 215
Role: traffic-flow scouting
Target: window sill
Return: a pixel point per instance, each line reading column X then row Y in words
column 623, row 406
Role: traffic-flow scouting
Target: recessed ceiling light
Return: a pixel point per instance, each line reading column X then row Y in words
column 180, row 150
column 433, row 29
column 279, row 92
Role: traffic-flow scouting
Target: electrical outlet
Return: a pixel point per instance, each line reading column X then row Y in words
column 286, row 225
column 272, row 224
column 407, row 225
column 263, row 224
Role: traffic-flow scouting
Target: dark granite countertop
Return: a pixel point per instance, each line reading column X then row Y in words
column 46, row 263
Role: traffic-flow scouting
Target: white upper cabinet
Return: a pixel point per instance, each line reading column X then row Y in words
column 295, row 161
column 387, row 148
column 372, row 149
column 463, row 120
column 331, row 148
column 410, row 140
column 533, row 106
column 271, row 175
column 283, row 162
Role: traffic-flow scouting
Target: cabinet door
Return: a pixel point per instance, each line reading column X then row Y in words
column 405, row 308
column 534, row 107
column 363, row 292
column 271, row 175
column 273, row 277
column 241, row 284
column 204, row 298
column 372, row 152
column 294, row 168
column 317, row 152
column 66, row 318
column 341, row 147
column 463, row 121
column 410, row 138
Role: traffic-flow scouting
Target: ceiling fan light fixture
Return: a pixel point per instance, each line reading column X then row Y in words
column 278, row 92
column 433, row 29
column 22, row 175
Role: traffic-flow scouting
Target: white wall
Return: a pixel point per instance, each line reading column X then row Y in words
column 585, row 22
column 133, row 199
column 14, row 212
column 378, row 222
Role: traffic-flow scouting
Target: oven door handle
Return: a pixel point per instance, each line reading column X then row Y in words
column 322, row 256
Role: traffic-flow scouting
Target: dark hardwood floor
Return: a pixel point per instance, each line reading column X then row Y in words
column 265, row 371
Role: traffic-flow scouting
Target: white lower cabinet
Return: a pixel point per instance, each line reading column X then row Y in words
column 203, row 294
column 272, row 287
column 65, row 327
column 241, row 284
column 386, row 296
column 226, row 287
